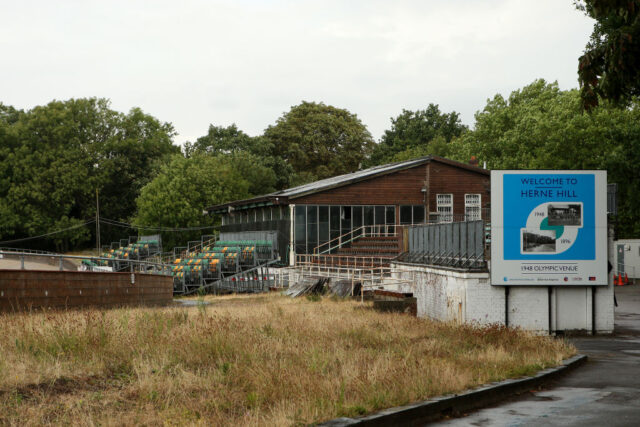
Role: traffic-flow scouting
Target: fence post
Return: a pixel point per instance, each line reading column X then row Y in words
column 60, row 264
column 21, row 262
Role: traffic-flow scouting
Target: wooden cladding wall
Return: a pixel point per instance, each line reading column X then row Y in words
column 398, row 188
column 447, row 179
column 22, row 290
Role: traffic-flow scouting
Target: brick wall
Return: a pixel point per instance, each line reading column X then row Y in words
column 24, row 289
column 447, row 179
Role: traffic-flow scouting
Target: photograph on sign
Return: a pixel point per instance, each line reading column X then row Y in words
column 536, row 241
column 548, row 227
column 565, row 214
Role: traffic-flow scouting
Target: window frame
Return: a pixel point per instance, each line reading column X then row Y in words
column 444, row 217
column 476, row 204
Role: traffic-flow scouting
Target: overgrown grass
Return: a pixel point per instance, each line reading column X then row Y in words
column 245, row 360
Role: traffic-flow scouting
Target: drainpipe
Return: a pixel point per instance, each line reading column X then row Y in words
column 292, row 252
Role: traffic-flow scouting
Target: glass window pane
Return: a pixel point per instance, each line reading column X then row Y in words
column 301, row 229
column 323, row 214
column 379, row 215
column 323, row 225
column 345, row 217
column 444, row 206
column 418, row 214
column 405, row 215
column 368, row 215
column 357, row 217
column 334, row 221
column 391, row 215
column 312, row 228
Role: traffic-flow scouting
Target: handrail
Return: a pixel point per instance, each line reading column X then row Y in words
column 34, row 251
column 163, row 268
column 331, row 260
column 197, row 248
column 227, row 278
column 369, row 278
column 354, row 232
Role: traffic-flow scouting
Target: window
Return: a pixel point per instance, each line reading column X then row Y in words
column 301, row 229
column 312, row 228
column 405, row 215
column 472, row 207
column 445, row 207
column 418, row 214
column 323, row 225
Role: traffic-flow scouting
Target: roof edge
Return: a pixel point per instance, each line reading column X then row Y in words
column 278, row 198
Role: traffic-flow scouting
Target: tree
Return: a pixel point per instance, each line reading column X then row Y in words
column 187, row 186
column 54, row 157
column 543, row 127
column 319, row 140
column 610, row 65
column 231, row 140
column 418, row 133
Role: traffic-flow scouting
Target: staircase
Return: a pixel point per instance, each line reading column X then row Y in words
column 382, row 246
column 363, row 252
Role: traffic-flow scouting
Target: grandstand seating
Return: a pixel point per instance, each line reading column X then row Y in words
column 217, row 261
column 116, row 258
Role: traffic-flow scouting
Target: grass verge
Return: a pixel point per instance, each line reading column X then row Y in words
column 245, row 360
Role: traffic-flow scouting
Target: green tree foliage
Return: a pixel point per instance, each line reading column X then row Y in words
column 319, row 141
column 54, row 157
column 418, row 133
column 543, row 127
column 610, row 65
column 187, row 186
column 230, row 139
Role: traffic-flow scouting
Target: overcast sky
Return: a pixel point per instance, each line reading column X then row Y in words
column 193, row 63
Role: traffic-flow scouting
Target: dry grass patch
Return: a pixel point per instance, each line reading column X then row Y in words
column 245, row 360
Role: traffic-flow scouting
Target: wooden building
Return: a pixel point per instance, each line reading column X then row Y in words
column 428, row 189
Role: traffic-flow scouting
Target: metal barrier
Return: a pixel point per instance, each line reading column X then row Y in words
column 256, row 279
column 353, row 261
column 456, row 244
column 58, row 259
column 369, row 278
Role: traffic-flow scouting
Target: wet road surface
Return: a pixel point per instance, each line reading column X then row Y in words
column 603, row 392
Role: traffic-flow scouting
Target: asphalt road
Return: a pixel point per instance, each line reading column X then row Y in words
column 603, row 392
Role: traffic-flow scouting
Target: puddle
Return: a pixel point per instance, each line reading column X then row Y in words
column 538, row 398
column 190, row 303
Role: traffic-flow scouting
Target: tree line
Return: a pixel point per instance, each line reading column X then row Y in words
column 53, row 158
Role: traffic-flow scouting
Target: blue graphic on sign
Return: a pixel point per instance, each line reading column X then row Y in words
column 549, row 216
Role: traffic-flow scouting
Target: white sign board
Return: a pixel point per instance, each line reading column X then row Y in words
column 548, row 228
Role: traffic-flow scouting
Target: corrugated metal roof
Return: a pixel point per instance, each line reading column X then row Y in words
column 335, row 181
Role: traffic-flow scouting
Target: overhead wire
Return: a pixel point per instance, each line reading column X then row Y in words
column 48, row 234
column 113, row 223
column 155, row 228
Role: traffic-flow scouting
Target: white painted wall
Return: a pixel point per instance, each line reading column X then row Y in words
column 631, row 257
column 457, row 296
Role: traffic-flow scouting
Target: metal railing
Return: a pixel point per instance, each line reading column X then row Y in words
column 369, row 278
column 457, row 244
column 342, row 260
column 27, row 251
column 629, row 269
column 256, row 279
column 388, row 230
column 59, row 259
